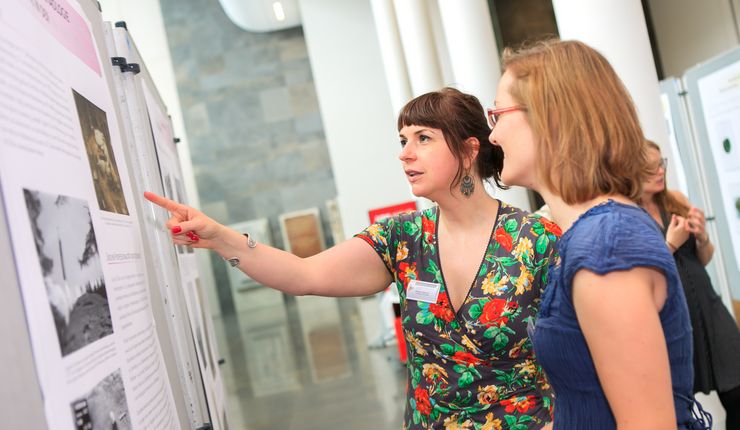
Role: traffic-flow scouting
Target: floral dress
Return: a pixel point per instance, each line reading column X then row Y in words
column 473, row 367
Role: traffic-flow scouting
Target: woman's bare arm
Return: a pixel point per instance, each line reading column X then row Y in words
column 351, row 268
column 618, row 313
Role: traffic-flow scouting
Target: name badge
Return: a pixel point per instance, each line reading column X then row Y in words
column 422, row 291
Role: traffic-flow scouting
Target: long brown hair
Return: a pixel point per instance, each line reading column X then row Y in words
column 589, row 138
column 665, row 200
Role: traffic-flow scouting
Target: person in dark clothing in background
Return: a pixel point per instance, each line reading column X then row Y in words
column 716, row 335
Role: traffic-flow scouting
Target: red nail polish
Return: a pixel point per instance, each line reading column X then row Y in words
column 195, row 238
column 176, row 229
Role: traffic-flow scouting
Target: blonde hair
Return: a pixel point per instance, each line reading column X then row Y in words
column 590, row 142
column 665, row 200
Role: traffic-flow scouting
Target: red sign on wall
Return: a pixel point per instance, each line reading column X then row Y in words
column 380, row 213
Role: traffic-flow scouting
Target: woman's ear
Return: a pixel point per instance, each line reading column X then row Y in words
column 473, row 146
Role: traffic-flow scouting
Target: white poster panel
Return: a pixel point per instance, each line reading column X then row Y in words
column 157, row 239
column 676, row 163
column 720, row 99
column 200, row 321
column 73, row 228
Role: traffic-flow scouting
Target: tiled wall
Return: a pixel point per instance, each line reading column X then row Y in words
column 252, row 119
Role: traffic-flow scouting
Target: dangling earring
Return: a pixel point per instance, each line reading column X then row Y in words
column 466, row 185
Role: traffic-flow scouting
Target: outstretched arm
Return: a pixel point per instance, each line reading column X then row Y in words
column 351, row 268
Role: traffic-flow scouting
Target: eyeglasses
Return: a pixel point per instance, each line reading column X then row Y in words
column 662, row 164
column 494, row 114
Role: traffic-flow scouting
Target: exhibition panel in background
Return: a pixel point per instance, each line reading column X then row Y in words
column 713, row 93
column 98, row 336
column 687, row 170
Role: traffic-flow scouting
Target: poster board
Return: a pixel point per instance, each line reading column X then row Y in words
column 201, row 324
column 713, row 94
column 165, row 278
column 302, row 232
column 74, row 232
column 191, row 324
column 679, row 136
column 685, row 161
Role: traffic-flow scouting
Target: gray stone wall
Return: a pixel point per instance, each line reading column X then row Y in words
column 252, row 119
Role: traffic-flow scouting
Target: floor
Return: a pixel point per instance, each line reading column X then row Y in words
column 303, row 363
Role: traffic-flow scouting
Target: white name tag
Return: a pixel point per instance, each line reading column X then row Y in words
column 422, row 291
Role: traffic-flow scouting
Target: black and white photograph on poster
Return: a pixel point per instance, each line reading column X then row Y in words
column 70, row 264
column 96, row 136
column 104, row 407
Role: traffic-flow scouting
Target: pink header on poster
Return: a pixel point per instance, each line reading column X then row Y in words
column 69, row 28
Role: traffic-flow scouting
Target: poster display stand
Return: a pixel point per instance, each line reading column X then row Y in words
column 713, row 97
column 685, row 161
column 107, row 323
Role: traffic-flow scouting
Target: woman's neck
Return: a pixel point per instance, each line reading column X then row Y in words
column 462, row 213
column 648, row 203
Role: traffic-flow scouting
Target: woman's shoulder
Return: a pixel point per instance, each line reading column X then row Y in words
column 611, row 218
column 509, row 212
column 527, row 230
column 409, row 216
column 680, row 197
column 613, row 232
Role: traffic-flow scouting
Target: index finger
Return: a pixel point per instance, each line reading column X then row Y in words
column 171, row 205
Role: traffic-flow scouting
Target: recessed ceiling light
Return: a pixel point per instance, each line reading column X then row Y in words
column 277, row 7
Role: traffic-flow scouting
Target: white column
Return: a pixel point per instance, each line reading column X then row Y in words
column 440, row 43
column 361, row 136
column 475, row 64
column 473, row 51
column 418, row 45
column 391, row 52
column 617, row 29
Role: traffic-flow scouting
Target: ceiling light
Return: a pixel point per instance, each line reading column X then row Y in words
column 277, row 7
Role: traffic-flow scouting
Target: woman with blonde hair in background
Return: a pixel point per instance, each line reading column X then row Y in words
column 715, row 332
column 613, row 333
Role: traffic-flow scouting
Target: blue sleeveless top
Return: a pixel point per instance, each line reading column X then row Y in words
column 608, row 237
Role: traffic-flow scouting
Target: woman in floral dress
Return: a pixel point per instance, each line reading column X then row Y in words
column 470, row 272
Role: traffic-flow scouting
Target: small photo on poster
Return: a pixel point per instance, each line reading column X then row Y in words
column 727, row 146
column 107, row 181
column 70, row 264
column 734, row 201
column 104, row 407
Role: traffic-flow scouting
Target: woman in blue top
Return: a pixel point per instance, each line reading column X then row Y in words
column 613, row 334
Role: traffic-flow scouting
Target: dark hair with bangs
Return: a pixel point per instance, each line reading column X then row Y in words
column 460, row 116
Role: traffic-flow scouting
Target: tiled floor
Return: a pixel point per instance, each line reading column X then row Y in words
column 303, row 363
